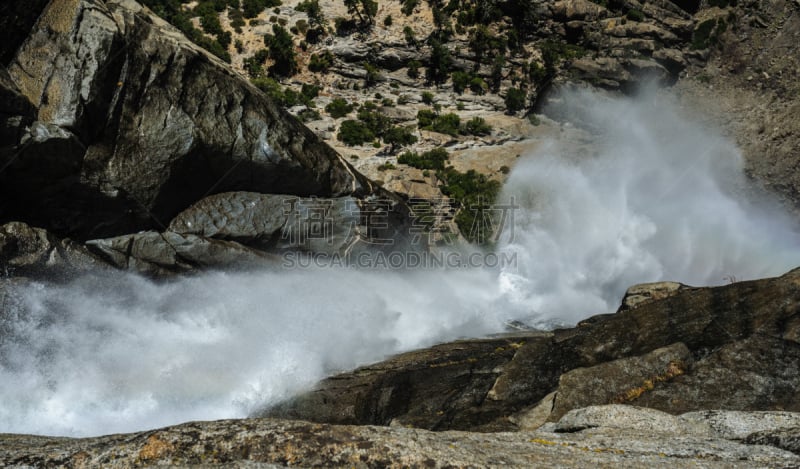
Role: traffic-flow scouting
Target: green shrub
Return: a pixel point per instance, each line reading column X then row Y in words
column 307, row 115
column 635, row 15
column 371, row 74
column 399, row 137
column 338, row 107
column 254, row 65
column 408, row 6
column 385, row 166
column 703, row 35
column 320, row 63
column 425, row 118
column 516, row 100
column 478, row 86
column 427, row 97
column 439, row 62
column 410, row 36
column 477, row 126
column 413, row 68
column 309, row 92
column 377, row 122
column 474, row 194
column 433, row 159
column 252, row 8
column 388, row 21
column 354, row 132
column 313, row 10
column 281, row 51
column 460, row 81
column 447, row 124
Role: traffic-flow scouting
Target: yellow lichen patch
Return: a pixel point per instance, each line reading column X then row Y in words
column 155, row 448
column 608, row 450
column 542, row 441
column 60, row 16
column 516, row 345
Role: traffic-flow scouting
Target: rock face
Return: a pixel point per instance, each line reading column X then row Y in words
column 132, row 123
column 243, row 229
column 732, row 347
column 27, row 251
column 605, row 442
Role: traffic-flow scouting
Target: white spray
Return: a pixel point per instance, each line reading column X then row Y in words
column 658, row 200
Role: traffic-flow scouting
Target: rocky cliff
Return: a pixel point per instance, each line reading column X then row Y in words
column 117, row 123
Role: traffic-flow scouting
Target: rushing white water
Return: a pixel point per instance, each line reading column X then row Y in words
column 660, row 199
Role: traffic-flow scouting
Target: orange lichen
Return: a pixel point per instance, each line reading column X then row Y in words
column 674, row 368
column 155, row 448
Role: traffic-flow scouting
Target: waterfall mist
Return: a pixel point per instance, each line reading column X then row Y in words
column 657, row 197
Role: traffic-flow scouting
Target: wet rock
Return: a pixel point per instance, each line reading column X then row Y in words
column 28, row 251
column 163, row 254
column 645, row 292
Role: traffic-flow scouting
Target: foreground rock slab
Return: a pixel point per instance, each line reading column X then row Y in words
column 247, row 443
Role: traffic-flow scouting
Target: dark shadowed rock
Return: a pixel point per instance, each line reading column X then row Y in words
column 344, row 225
column 162, row 254
column 787, row 438
column 28, row 251
column 147, row 124
column 735, row 335
column 757, row 373
column 16, row 20
column 618, row 380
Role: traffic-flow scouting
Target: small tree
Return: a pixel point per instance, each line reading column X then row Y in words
column 281, row 51
column 413, row 68
column 371, row 74
column 364, row 9
column 460, row 81
column 354, row 133
column 439, row 62
column 313, row 10
column 516, row 100
column 338, row 108
column 477, row 126
column 399, row 137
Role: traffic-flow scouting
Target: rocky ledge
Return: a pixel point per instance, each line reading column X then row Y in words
column 670, row 347
column 604, row 436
